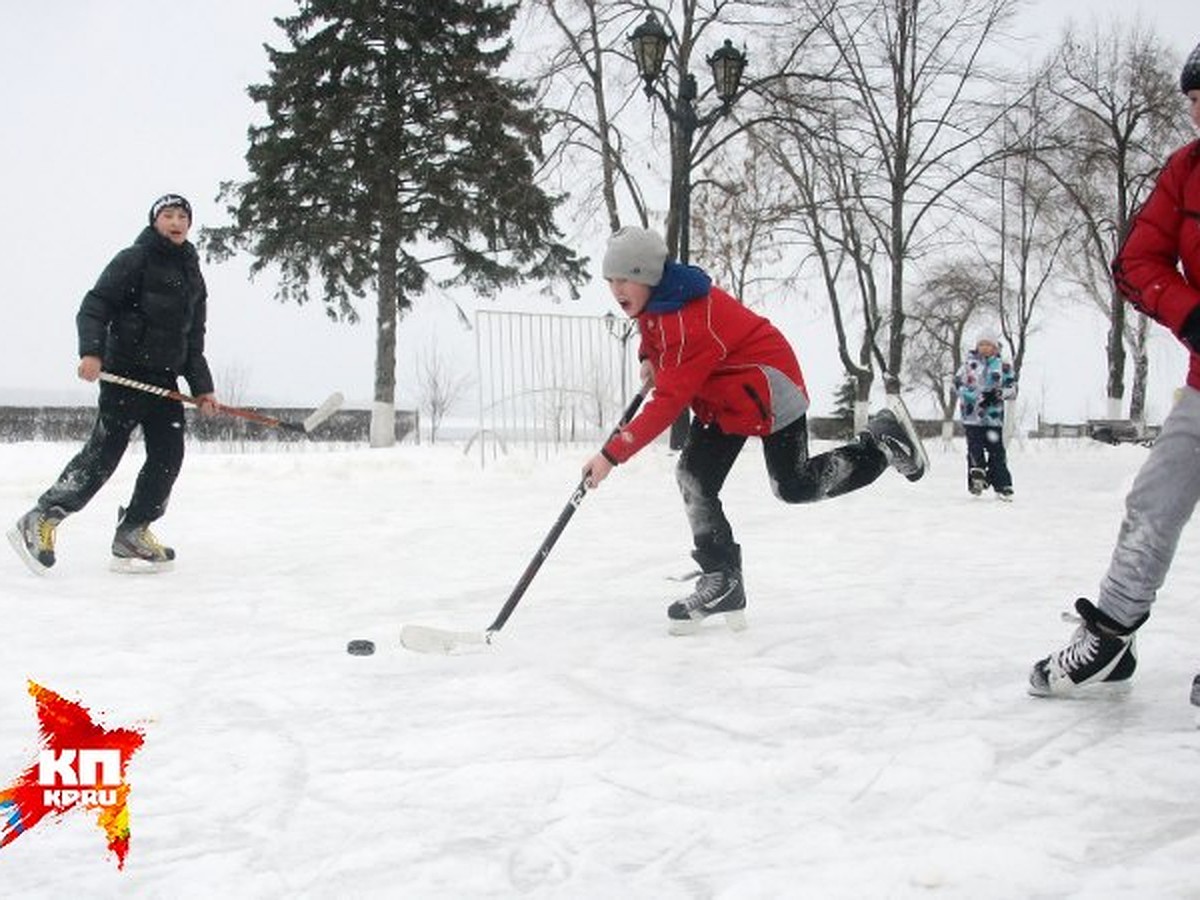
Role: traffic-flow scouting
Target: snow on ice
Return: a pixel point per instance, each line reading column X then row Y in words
column 869, row 735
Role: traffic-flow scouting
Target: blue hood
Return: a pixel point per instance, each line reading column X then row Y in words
column 680, row 284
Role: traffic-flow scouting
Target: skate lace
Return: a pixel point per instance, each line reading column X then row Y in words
column 899, row 449
column 148, row 538
column 1082, row 649
column 709, row 588
column 45, row 533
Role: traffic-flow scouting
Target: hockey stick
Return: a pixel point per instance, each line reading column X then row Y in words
column 319, row 415
column 424, row 639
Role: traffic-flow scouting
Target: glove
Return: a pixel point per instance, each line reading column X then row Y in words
column 992, row 397
column 1189, row 331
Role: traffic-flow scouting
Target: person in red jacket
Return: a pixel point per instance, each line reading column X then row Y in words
column 1157, row 269
column 702, row 348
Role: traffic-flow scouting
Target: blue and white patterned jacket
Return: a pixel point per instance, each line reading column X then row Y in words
column 983, row 384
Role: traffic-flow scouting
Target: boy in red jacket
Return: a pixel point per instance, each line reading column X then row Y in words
column 702, row 348
column 1157, row 269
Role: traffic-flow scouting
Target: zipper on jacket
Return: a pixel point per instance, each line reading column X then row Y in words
column 762, row 407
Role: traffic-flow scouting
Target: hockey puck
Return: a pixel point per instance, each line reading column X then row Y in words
column 360, row 648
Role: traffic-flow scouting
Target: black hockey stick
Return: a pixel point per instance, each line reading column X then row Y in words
column 319, row 415
column 424, row 639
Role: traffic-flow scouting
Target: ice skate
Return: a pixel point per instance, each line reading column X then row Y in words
column 1102, row 653
column 1005, row 494
column 33, row 537
column 1196, row 699
column 977, row 481
column 136, row 550
column 716, row 593
column 893, row 432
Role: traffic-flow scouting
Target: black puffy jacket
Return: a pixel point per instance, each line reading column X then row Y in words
column 145, row 316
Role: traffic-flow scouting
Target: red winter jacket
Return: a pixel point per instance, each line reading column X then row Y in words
column 1164, row 235
column 730, row 364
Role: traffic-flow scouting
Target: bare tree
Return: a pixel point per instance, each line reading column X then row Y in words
column 1018, row 233
column 824, row 222
column 440, row 387
column 573, row 88
column 915, row 127
column 1117, row 119
column 947, row 303
column 737, row 222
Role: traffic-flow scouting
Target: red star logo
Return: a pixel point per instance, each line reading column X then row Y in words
column 81, row 766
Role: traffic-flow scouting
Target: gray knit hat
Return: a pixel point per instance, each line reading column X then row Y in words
column 635, row 254
column 988, row 335
column 1189, row 78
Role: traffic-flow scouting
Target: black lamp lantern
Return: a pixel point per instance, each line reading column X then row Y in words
column 727, row 65
column 649, row 48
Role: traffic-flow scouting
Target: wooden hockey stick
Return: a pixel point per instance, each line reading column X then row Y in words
column 319, row 415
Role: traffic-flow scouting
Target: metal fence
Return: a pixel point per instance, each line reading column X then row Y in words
column 547, row 380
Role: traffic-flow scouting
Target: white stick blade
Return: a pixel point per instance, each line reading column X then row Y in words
column 324, row 411
column 424, row 639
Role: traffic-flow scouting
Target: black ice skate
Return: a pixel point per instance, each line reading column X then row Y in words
column 716, row 593
column 1005, row 494
column 135, row 549
column 33, row 537
column 1196, row 698
column 1102, row 652
column 977, row 481
column 893, row 432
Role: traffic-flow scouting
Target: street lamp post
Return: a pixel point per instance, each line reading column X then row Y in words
column 649, row 42
column 622, row 330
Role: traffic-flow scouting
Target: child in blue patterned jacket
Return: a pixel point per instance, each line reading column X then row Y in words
column 983, row 383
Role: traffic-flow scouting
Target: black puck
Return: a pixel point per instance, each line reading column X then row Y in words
column 360, row 648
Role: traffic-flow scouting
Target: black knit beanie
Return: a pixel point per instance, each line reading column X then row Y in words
column 166, row 201
column 1189, row 78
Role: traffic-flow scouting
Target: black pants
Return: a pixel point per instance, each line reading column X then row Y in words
column 121, row 410
column 985, row 450
column 709, row 454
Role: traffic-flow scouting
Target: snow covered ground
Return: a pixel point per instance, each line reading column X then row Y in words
column 869, row 735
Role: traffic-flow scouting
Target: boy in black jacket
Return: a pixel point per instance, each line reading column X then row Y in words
column 144, row 319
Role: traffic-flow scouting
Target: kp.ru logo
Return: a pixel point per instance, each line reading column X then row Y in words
column 81, row 765
column 75, row 769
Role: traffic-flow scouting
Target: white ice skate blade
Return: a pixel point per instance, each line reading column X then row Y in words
column 424, row 639
column 734, row 621
column 896, row 403
column 127, row 565
column 1068, row 690
column 18, row 544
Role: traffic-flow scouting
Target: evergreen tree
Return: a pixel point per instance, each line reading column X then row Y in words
column 844, row 399
column 394, row 153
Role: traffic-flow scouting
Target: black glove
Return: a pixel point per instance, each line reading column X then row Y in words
column 992, row 397
column 1189, row 331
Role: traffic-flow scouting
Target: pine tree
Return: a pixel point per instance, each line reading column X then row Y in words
column 844, row 399
column 394, row 152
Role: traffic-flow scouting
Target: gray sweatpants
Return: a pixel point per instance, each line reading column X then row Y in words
column 1159, row 504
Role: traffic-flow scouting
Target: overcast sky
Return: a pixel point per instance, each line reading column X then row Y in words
column 106, row 106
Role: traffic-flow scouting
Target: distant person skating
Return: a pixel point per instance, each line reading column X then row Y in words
column 145, row 320
column 1157, row 269
column 702, row 348
column 984, row 382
